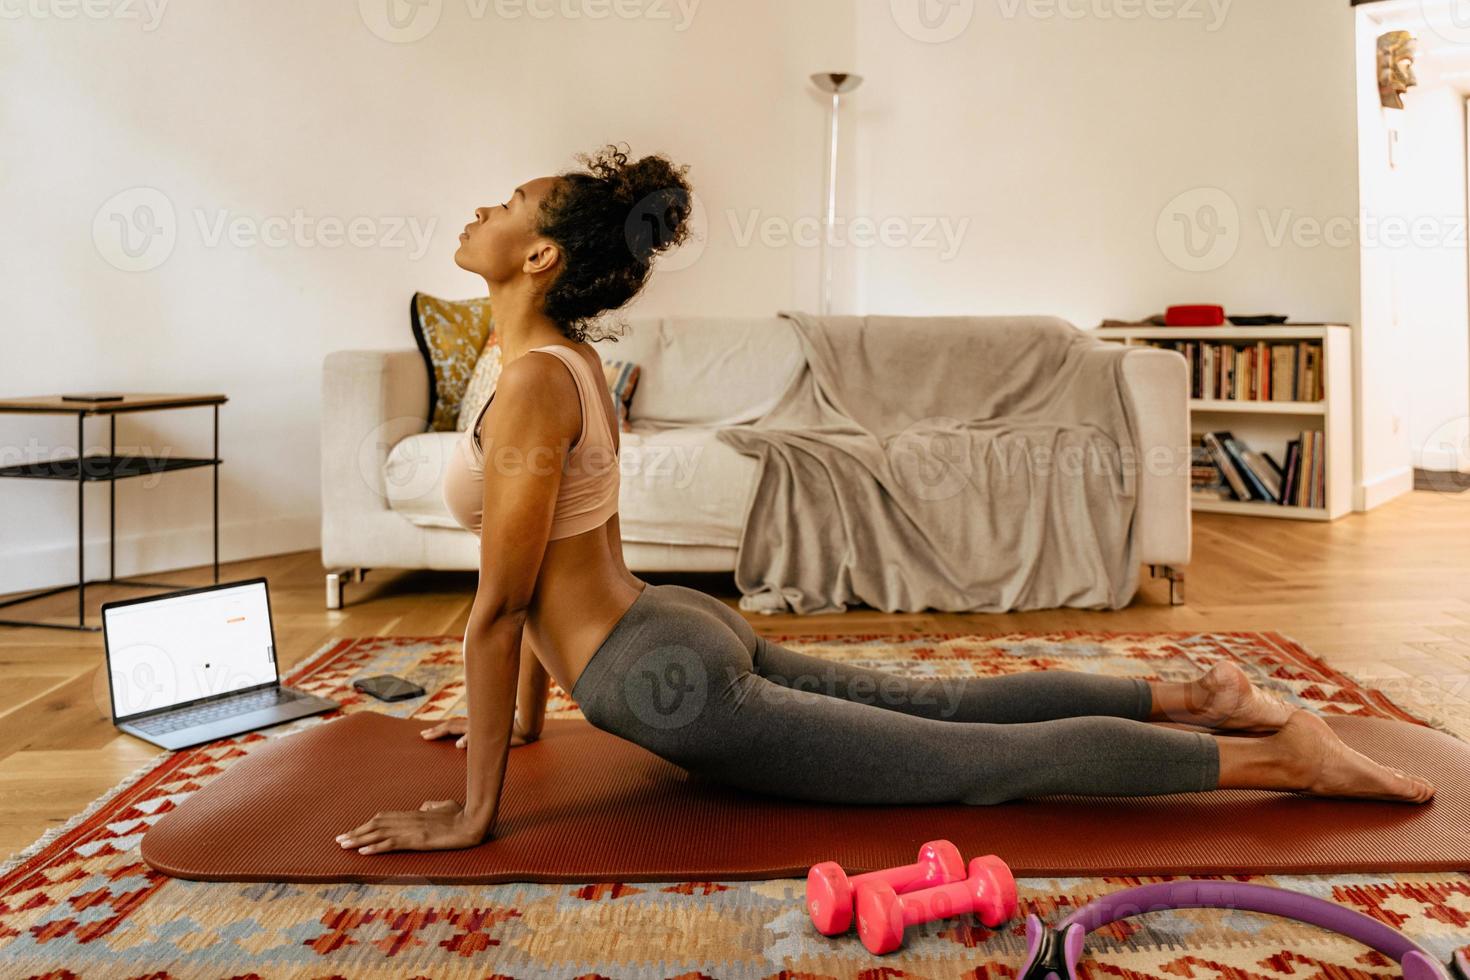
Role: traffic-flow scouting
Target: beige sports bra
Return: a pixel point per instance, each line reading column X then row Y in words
column 589, row 483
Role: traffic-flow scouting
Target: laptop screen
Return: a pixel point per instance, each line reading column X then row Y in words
column 176, row 649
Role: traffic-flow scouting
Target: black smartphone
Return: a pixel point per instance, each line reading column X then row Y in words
column 386, row 687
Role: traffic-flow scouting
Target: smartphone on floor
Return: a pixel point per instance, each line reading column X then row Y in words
column 387, row 687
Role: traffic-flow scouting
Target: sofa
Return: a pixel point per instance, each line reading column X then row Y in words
column 684, row 492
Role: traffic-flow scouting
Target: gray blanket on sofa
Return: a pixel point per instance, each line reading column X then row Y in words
column 958, row 463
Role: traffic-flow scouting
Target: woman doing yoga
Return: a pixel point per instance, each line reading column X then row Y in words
column 684, row 675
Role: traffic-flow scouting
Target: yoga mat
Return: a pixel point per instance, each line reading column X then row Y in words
column 582, row 805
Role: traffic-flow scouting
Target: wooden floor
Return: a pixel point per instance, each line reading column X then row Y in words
column 1385, row 594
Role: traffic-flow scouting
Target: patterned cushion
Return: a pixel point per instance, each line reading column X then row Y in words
column 450, row 334
column 482, row 383
column 622, row 378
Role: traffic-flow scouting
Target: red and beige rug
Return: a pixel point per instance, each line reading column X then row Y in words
column 80, row 903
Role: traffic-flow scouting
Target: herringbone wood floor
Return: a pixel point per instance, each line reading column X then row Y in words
column 1384, row 594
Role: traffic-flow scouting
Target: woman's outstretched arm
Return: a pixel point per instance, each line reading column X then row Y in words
column 525, row 437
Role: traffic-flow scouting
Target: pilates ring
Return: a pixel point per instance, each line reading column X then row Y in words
column 1053, row 953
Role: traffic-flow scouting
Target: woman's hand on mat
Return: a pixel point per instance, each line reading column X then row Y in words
column 461, row 727
column 437, row 825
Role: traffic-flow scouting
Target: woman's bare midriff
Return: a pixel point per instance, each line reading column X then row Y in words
column 583, row 587
column 583, row 590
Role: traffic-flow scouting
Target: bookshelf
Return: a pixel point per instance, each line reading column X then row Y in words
column 1265, row 426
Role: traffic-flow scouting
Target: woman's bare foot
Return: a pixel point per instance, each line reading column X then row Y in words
column 1228, row 696
column 1222, row 698
column 1317, row 762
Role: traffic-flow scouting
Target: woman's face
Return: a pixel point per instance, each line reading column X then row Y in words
column 502, row 243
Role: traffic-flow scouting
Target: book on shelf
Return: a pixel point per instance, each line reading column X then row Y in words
column 1264, row 370
column 1205, row 478
column 1225, row 467
column 1266, row 472
column 1292, row 470
column 1240, row 483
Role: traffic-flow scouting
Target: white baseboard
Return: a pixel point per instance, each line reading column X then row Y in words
column 1379, row 491
column 151, row 553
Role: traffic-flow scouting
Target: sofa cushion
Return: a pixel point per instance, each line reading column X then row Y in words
column 679, row 485
column 682, row 485
column 622, row 381
column 449, row 335
column 482, row 383
column 413, row 477
column 707, row 370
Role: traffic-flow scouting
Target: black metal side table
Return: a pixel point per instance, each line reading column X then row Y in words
column 111, row 467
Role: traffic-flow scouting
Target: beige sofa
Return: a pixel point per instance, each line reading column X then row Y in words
column 684, row 492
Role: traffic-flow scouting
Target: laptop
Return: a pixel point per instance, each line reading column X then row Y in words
column 197, row 665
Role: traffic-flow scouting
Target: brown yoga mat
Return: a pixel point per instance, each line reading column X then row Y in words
column 582, row 805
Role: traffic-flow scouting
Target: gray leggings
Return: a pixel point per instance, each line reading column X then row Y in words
column 686, row 677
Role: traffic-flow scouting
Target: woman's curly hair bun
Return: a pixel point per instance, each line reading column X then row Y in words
column 611, row 220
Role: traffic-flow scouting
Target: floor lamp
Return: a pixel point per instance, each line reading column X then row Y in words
column 835, row 83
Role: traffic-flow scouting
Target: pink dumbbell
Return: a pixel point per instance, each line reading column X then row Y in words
column 989, row 891
column 829, row 891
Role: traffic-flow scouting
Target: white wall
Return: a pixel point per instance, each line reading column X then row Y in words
column 1414, row 363
column 1065, row 138
column 266, row 109
column 1052, row 149
column 1430, row 275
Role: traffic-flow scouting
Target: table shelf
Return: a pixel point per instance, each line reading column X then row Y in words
column 98, row 467
column 108, row 468
column 1257, row 406
column 1205, row 503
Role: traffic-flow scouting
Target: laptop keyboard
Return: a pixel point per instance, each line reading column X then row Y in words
column 215, row 710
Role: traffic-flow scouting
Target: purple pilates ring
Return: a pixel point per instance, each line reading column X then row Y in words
column 1053, row 953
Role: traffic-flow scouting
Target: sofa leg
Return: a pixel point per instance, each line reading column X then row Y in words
column 337, row 584
column 1176, row 581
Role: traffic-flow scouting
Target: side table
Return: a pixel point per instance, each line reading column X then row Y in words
column 110, row 467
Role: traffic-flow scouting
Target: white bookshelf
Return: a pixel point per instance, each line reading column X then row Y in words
column 1267, row 425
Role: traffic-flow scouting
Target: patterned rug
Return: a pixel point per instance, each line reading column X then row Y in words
column 80, row 903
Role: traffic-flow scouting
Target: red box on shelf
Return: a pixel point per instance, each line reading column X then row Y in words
column 1194, row 316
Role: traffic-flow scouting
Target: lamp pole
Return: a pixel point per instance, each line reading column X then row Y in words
column 834, row 83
